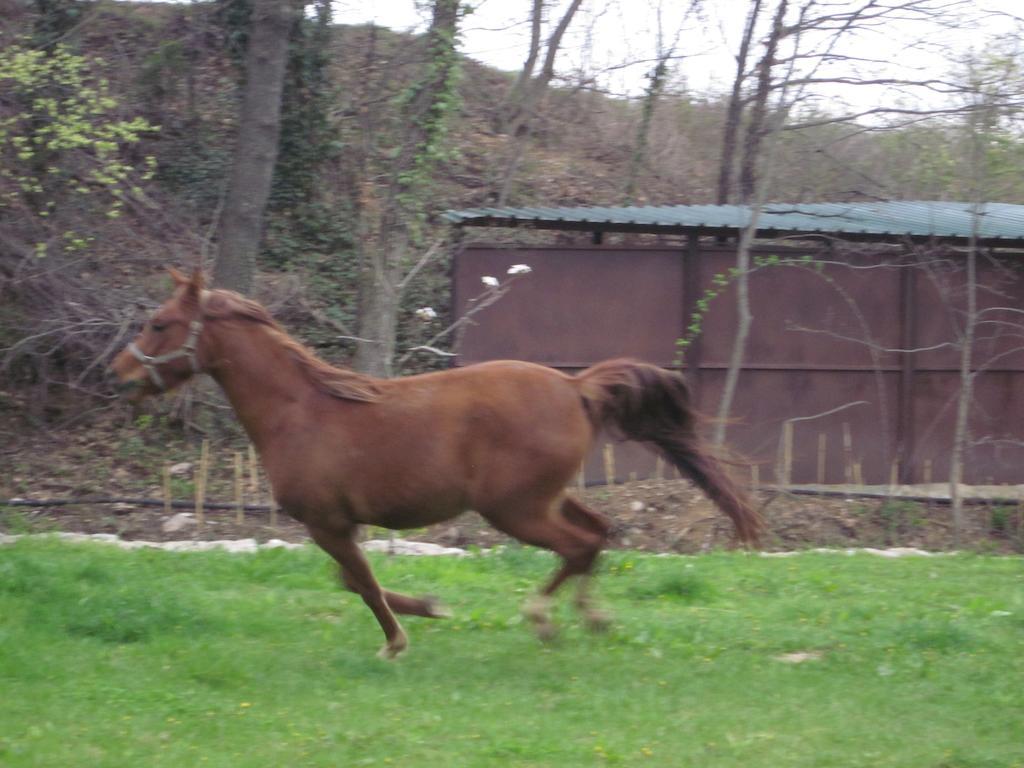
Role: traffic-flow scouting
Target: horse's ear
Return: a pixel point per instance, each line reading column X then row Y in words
column 198, row 280
column 179, row 277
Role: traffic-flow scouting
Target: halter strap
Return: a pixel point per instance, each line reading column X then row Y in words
column 187, row 350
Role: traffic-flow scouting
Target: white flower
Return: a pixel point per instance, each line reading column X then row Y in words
column 426, row 313
column 519, row 269
column 489, row 281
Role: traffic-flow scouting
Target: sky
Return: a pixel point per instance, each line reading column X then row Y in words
column 606, row 34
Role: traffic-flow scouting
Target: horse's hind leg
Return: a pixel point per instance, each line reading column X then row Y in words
column 342, row 546
column 574, row 532
column 584, row 517
column 428, row 606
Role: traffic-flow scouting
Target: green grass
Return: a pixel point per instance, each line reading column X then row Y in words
column 148, row 658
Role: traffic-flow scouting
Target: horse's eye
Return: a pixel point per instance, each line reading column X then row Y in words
column 158, row 327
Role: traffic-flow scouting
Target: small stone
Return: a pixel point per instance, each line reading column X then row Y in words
column 182, row 468
column 799, row 657
column 636, row 506
column 178, row 522
column 279, row 544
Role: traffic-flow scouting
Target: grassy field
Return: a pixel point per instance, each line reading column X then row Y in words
column 146, row 658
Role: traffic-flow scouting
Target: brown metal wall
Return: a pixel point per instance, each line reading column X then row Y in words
column 822, row 339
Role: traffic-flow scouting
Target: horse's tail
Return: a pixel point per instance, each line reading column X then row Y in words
column 648, row 404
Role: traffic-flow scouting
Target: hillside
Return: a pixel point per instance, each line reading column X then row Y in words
column 178, row 68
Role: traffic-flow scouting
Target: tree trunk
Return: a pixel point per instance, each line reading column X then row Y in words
column 259, row 127
column 378, row 324
column 744, row 319
column 389, row 236
column 517, row 92
column 963, row 404
column 756, row 130
column 655, row 86
column 527, row 95
column 735, row 109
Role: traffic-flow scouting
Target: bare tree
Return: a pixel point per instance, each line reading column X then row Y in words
column 391, row 218
column 259, row 125
column 730, row 130
column 519, row 110
column 756, row 128
column 789, row 75
column 656, row 81
column 988, row 103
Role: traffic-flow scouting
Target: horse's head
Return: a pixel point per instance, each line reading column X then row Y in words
column 166, row 353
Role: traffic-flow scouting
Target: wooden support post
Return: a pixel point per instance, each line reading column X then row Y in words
column 609, row 464
column 659, row 468
column 1020, row 521
column 755, row 478
column 858, row 474
column 926, row 472
column 168, row 507
column 239, row 494
column 894, row 475
column 204, row 467
column 787, row 453
column 847, row 454
column 254, row 473
column 822, row 447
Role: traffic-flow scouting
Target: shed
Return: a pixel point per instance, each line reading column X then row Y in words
column 858, row 310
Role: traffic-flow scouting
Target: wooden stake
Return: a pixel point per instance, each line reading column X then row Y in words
column 847, row 454
column 659, row 468
column 787, row 453
column 632, row 477
column 822, row 446
column 273, row 511
column 204, row 466
column 1020, row 520
column 926, row 472
column 609, row 464
column 894, row 474
column 167, row 489
column 755, row 478
column 239, row 483
column 858, row 476
column 254, row 473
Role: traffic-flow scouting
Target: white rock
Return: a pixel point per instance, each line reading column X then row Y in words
column 180, row 469
column 239, row 545
column 280, row 544
column 178, row 522
column 403, row 547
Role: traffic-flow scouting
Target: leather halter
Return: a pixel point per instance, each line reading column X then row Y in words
column 187, row 350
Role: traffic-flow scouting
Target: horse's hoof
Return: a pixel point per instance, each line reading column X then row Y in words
column 597, row 621
column 546, row 632
column 537, row 611
column 435, row 608
column 393, row 650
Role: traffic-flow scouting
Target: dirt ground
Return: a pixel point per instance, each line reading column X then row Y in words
column 654, row 516
column 123, row 456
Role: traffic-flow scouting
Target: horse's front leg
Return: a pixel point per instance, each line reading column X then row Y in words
column 342, row 546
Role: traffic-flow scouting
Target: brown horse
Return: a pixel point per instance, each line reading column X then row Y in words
column 502, row 438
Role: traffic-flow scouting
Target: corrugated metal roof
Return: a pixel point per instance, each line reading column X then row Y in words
column 999, row 222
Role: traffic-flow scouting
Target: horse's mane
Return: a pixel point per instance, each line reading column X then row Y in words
column 336, row 382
